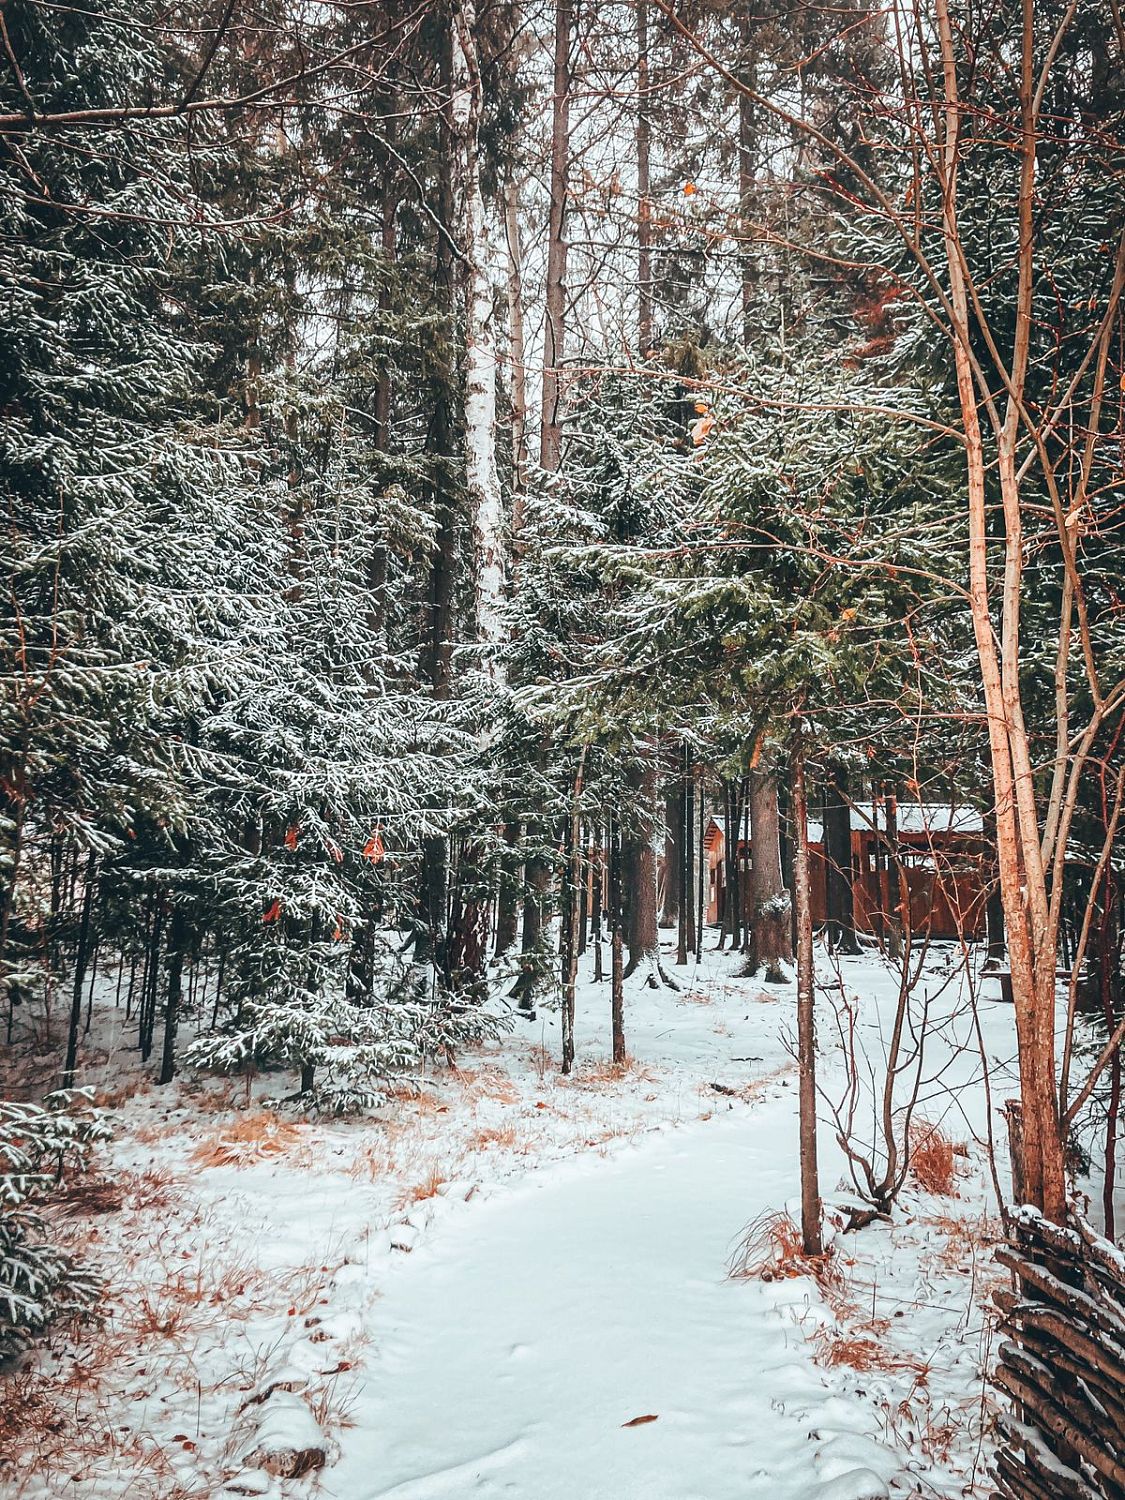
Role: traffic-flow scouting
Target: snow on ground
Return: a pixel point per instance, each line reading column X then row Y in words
column 477, row 1292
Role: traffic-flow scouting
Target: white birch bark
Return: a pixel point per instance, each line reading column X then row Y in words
column 482, row 476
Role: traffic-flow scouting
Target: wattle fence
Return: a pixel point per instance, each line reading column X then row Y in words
column 1062, row 1364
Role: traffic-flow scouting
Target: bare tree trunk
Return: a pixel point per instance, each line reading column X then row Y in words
column 554, row 333
column 673, row 834
column 994, row 904
column 645, row 318
column 517, row 358
column 769, row 911
column 1031, row 936
column 575, row 891
column 617, row 968
column 177, row 940
column 80, row 960
column 896, row 917
column 1109, row 983
column 481, row 476
column 747, row 155
column 639, row 859
column 806, row 1025
column 839, row 862
column 597, row 902
column 431, row 937
column 685, row 860
column 538, row 882
column 507, row 896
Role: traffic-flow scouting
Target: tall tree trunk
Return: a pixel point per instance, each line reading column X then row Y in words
column 517, row 355
column 482, row 478
column 431, row 946
column 896, row 917
column 839, row 862
column 17, row 803
column 806, row 1023
column 576, row 887
column 769, row 911
column 554, row 333
column 1109, row 985
column 673, row 839
column 685, row 861
column 1031, row 926
column 689, row 914
column 645, row 314
column 617, row 967
column 536, row 894
column 747, row 164
column 731, row 916
column 597, row 901
column 177, row 942
column 81, row 959
column 639, row 864
column 507, row 896
column 994, row 901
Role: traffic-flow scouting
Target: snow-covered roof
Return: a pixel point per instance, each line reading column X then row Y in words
column 935, row 818
column 913, row 817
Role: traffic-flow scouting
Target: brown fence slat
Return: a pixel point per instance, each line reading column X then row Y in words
column 1063, row 1365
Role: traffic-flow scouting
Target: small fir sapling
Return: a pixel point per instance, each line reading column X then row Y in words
column 40, row 1283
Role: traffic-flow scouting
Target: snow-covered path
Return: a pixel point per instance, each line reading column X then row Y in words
column 515, row 1342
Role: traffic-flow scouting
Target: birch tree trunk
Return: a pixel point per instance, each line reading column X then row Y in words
column 481, row 475
column 645, row 318
column 554, row 333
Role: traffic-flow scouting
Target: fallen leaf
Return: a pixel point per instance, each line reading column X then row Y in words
column 640, row 1421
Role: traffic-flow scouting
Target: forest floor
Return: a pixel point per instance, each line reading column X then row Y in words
column 481, row 1291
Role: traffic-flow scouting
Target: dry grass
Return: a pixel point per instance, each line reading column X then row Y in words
column 504, row 1137
column 114, row 1098
column 250, row 1139
column 861, row 1351
column 771, row 1250
column 695, row 997
column 933, row 1159
column 541, row 1060
column 488, row 1083
column 426, row 1187
column 415, row 1100
column 370, row 1164
column 605, row 1074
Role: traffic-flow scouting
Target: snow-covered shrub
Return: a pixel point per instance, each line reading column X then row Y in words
column 347, row 1054
column 40, row 1283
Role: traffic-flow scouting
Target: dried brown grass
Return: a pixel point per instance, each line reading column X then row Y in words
column 245, row 1141
column 933, row 1159
column 370, row 1164
column 488, row 1083
column 121, row 1093
column 426, row 1187
column 600, row 1075
column 771, row 1250
column 541, row 1060
column 695, row 997
column 862, row 1351
column 504, row 1137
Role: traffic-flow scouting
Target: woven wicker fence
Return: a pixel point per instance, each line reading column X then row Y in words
column 1062, row 1365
